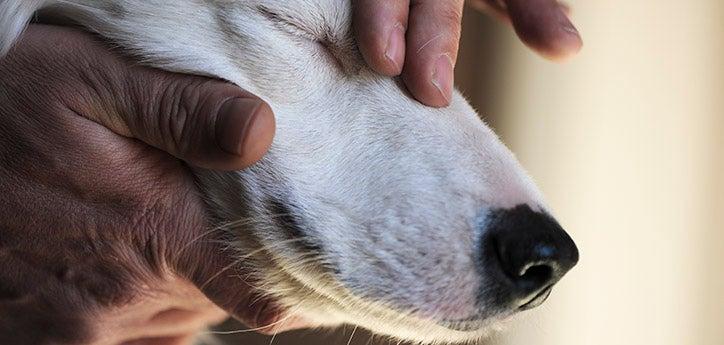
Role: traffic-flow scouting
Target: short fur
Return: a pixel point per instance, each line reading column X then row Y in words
column 369, row 207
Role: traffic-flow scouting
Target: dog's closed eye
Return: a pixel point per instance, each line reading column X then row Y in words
column 287, row 23
column 320, row 36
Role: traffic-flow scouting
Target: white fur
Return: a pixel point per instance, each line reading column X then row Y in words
column 394, row 193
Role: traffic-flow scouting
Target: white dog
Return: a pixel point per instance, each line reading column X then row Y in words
column 370, row 209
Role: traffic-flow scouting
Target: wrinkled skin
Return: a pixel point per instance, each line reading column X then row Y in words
column 541, row 24
column 100, row 231
column 99, row 219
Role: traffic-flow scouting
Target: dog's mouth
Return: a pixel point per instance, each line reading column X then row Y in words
column 267, row 318
column 285, row 324
column 537, row 300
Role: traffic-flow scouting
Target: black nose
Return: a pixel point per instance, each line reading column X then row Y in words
column 527, row 252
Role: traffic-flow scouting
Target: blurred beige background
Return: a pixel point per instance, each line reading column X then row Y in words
column 627, row 142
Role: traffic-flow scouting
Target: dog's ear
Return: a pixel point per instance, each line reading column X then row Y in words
column 14, row 17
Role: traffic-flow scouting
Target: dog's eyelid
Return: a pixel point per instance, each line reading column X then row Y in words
column 288, row 24
column 297, row 29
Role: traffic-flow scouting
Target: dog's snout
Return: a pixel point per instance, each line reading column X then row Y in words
column 527, row 252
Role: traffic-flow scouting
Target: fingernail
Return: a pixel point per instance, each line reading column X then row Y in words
column 568, row 46
column 395, row 51
column 442, row 77
column 233, row 122
column 567, row 26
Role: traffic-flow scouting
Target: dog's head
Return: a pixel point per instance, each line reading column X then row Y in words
column 370, row 208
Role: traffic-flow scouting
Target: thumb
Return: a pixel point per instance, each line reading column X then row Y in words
column 208, row 123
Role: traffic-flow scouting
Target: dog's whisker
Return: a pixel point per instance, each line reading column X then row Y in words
column 351, row 335
column 256, row 329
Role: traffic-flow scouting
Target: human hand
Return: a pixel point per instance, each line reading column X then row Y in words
column 102, row 236
column 419, row 38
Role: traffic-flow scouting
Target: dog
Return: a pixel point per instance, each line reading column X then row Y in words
column 370, row 209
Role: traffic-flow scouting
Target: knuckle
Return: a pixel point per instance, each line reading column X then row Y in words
column 53, row 317
column 182, row 117
column 175, row 108
column 59, row 298
column 62, row 305
column 172, row 114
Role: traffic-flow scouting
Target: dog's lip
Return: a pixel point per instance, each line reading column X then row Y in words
column 538, row 299
column 283, row 323
column 265, row 314
column 271, row 319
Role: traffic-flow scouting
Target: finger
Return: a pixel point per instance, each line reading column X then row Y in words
column 174, row 340
column 566, row 8
column 379, row 26
column 544, row 26
column 433, row 36
column 208, row 123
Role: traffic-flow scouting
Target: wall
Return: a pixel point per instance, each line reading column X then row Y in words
column 627, row 142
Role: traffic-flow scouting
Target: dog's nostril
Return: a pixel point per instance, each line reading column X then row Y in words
column 530, row 252
column 535, row 275
column 528, row 270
